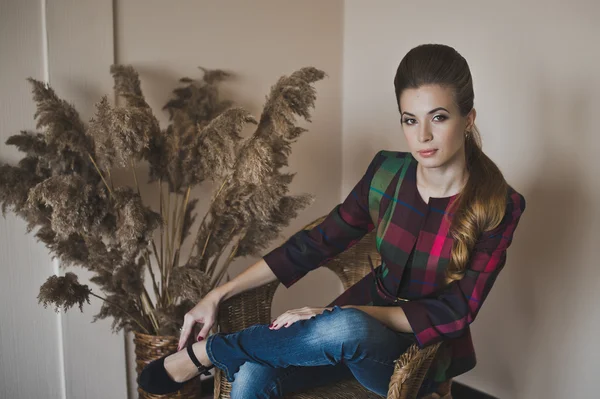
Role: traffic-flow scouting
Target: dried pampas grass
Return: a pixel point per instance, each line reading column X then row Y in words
column 63, row 188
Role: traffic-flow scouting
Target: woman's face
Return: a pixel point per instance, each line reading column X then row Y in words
column 431, row 121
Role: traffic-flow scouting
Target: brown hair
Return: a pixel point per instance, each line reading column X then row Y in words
column 481, row 204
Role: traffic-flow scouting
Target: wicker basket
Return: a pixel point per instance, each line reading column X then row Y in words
column 151, row 347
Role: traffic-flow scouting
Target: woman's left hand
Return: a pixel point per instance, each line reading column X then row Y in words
column 291, row 316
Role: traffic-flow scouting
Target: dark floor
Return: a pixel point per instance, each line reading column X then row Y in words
column 460, row 391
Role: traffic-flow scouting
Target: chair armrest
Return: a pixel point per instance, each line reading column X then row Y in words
column 410, row 370
column 246, row 309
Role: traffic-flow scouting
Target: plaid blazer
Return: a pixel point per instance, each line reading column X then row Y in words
column 414, row 243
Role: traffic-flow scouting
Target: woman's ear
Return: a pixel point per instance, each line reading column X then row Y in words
column 471, row 119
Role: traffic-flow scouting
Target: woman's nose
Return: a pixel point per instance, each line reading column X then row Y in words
column 425, row 134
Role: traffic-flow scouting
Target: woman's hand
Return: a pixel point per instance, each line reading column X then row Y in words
column 291, row 316
column 204, row 312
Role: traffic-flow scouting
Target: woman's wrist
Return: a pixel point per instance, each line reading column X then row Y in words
column 219, row 294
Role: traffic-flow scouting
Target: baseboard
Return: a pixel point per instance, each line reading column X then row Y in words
column 461, row 391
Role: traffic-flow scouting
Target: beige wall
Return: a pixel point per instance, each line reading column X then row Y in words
column 25, row 327
column 536, row 87
column 537, row 91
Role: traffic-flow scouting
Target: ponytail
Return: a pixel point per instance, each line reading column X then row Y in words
column 478, row 208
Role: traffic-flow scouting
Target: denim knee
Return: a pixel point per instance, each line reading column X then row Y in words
column 346, row 325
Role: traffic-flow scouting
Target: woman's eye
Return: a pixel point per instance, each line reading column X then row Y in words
column 441, row 118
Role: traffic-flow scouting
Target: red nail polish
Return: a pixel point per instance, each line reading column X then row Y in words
column 200, row 338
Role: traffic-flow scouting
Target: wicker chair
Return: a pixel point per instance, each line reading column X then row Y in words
column 254, row 307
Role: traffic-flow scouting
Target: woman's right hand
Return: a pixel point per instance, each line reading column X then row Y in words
column 205, row 312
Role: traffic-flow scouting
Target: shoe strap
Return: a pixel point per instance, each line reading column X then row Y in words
column 201, row 368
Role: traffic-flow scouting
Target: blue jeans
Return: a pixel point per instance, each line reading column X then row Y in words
column 335, row 345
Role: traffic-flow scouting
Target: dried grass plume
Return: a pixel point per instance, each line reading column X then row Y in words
column 64, row 188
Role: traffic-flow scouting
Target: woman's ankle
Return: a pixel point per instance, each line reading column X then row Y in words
column 199, row 349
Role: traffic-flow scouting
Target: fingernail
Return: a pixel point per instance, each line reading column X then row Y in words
column 200, row 338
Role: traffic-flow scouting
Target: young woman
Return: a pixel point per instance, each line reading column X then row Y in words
column 445, row 217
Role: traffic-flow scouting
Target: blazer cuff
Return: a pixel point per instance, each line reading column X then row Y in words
column 274, row 260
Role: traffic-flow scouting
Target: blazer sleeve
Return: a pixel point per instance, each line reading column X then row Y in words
column 343, row 227
column 448, row 313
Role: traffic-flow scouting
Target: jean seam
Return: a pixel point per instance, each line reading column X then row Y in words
column 318, row 363
column 386, row 363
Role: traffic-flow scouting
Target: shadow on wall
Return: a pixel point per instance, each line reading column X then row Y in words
column 544, row 274
column 562, row 220
column 158, row 84
column 536, row 312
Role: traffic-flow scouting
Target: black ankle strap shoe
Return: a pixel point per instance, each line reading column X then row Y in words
column 155, row 380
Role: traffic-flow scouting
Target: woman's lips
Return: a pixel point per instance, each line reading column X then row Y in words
column 427, row 153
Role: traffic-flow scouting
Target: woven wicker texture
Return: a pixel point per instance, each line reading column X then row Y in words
column 151, row 347
column 254, row 307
